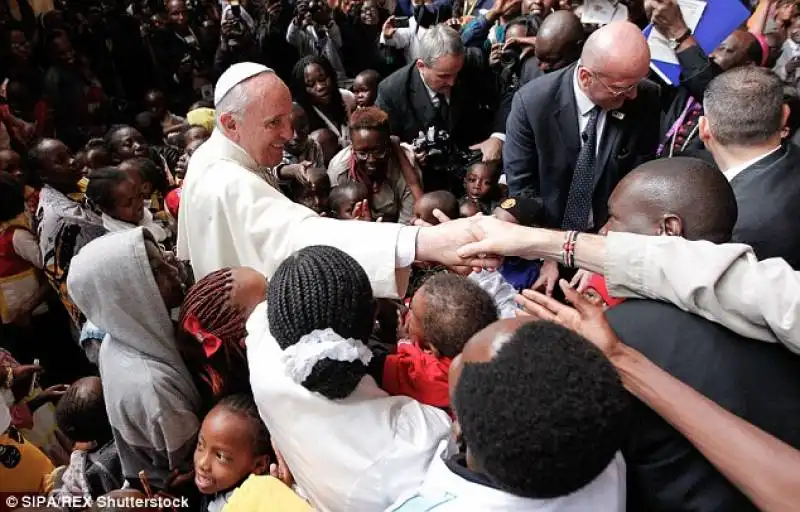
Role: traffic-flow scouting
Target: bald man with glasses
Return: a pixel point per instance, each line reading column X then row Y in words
column 573, row 134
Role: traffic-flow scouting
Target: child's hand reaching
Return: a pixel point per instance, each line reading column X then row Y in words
column 54, row 393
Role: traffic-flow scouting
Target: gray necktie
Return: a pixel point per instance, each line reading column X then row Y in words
column 579, row 201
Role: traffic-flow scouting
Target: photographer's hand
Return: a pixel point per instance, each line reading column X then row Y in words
column 494, row 54
column 389, row 28
column 491, row 149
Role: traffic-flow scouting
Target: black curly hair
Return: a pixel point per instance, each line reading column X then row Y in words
column 81, row 412
column 455, row 309
column 102, row 184
column 321, row 287
column 301, row 96
column 546, row 416
column 12, row 197
column 244, row 405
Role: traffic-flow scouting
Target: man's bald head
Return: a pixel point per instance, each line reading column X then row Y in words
column 614, row 60
column 559, row 41
column 256, row 115
column 679, row 196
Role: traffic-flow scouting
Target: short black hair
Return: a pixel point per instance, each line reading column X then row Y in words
column 445, row 200
column 12, row 197
column 531, row 24
column 455, row 309
column 149, row 172
column 102, row 184
column 81, row 412
column 693, row 189
column 744, row 106
column 321, row 287
column 546, row 416
column 339, row 194
column 244, row 405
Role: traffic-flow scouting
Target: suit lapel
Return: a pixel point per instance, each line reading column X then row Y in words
column 611, row 135
column 566, row 115
column 420, row 99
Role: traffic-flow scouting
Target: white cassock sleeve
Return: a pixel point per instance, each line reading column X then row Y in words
column 237, row 219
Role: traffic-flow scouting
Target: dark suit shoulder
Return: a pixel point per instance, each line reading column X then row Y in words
column 543, row 88
column 397, row 80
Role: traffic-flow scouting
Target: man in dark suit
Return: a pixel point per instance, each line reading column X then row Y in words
column 744, row 117
column 574, row 133
column 754, row 380
column 446, row 88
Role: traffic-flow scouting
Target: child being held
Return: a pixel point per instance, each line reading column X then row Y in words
column 117, row 197
column 344, row 198
column 233, row 444
column 481, row 188
column 365, row 88
column 302, row 148
column 94, row 467
column 315, row 193
column 445, row 313
column 441, row 200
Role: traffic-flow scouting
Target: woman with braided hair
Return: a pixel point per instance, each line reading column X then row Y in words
column 349, row 444
column 214, row 313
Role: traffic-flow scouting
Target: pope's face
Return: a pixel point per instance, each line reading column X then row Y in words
column 266, row 124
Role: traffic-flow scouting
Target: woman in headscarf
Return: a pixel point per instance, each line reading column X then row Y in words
column 126, row 286
column 211, row 330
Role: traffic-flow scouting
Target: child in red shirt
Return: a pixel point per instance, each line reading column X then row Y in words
column 445, row 313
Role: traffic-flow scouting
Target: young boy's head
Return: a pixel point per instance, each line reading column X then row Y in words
column 446, row 312
column 11, row 163
column 95, row 155
column 150, row 177
column 344, row 198
column 301, row 128
column 525, row 211
column 316, row 193
column 439, row 199
column 479, row 180
column 81, row 412
column 365, row 88
column 156, row 104
column 114, row 193
column 233, row 443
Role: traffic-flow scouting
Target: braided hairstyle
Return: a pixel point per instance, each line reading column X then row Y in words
column 103, row 183
column 244, row 405
column 210, row 301
column 321, row 287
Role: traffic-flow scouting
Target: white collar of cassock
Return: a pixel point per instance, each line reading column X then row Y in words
column 226, row 149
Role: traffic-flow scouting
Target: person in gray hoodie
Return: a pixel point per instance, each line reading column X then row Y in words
column 124, row 285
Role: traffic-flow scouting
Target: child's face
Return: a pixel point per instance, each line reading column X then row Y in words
column 345, row 211
column 10, row 162
column 300, row 126
column 128, row 205
column 365, row 90
column 97, row 158
column 478, row 181
column 156, row 105
column 594, row 298
column 224, row 455
column 315, row 195
column 129, row 143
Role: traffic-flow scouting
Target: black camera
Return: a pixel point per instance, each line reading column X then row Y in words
column 511, row 55
column 444, row 161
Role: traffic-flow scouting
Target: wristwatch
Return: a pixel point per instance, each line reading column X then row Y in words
column 675, row 43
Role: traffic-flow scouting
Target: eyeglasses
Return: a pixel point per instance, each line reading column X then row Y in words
column 376, row 154
column 615, row 91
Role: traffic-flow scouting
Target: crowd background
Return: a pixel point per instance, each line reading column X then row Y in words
column 412, row 112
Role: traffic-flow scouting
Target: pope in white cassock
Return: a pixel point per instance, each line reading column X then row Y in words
column 233, row 214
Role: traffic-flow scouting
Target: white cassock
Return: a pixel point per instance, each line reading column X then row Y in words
column 230, row 216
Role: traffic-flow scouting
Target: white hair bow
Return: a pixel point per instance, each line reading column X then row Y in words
column 320, row 344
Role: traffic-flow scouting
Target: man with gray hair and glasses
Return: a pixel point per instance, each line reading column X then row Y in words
column 744, row 117
column 446, row 88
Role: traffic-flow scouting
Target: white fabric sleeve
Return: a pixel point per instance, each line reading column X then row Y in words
column 498, row 136
column 723, row 283
column 406, row 246
column 27, row 247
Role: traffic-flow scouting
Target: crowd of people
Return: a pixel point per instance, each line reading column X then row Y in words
column 401, row 255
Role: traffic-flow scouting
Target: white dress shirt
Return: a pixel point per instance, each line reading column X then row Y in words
column 735, row 170
column 584, row 106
